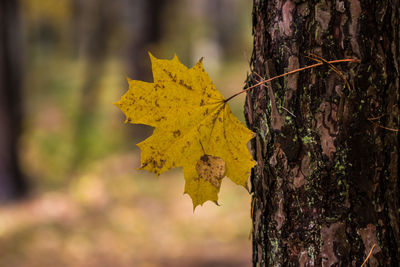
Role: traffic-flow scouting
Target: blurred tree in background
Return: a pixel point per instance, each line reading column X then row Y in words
column 12, row 182
column 95, row 22
column 93, row 27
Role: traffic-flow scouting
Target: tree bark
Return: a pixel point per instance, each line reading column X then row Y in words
column 326, row 184
column 12, row 182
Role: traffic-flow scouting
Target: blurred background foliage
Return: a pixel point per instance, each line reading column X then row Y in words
column 85, row 203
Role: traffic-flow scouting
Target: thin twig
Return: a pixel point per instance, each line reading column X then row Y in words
column 291, row 72
column 288, row 111
column 259, row 76
column 369, row 255
column 383, row 127
column 338, row 72
column 376, row 118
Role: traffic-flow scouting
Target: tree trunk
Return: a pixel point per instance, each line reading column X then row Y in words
column 143, row 20
column 12, row 183
column 95, row 20
column 326, row 185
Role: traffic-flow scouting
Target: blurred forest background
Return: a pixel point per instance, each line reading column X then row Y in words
column 69, row 190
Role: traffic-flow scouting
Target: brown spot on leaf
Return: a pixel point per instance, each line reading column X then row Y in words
column 211, row 169
column 177, row 133
column 161, row 164
column 160, row 119
column 181, row 82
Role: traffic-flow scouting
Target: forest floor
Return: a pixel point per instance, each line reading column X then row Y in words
column 114, row 215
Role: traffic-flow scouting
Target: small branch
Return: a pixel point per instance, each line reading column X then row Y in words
column 288, row 111
column 292, row 72
column 322, row 60
column 376, row 118
column 369, row 255
column 383, row 127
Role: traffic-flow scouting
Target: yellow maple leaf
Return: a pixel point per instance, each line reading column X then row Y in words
column 194, row 128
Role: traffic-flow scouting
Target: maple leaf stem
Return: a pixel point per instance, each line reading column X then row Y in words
column 292, row 72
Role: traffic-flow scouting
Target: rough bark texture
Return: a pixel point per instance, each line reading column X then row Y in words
column 12, row 183
column 326, row 185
